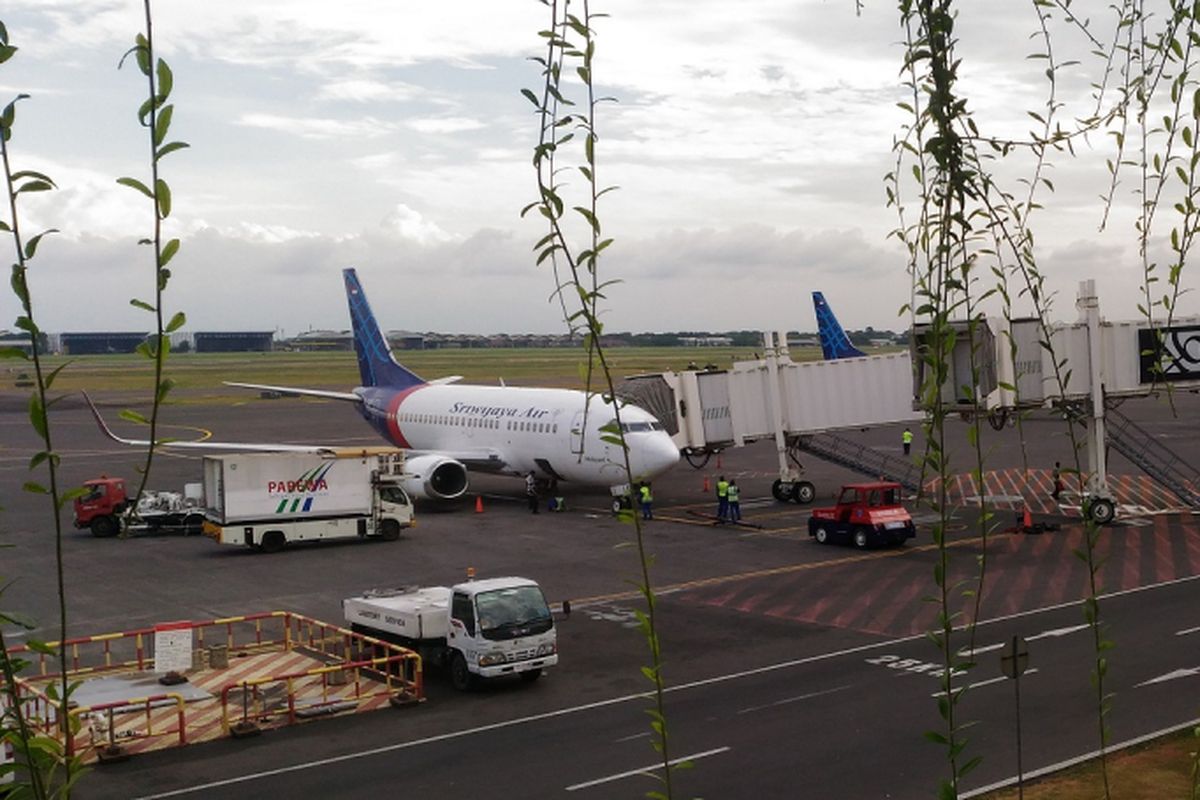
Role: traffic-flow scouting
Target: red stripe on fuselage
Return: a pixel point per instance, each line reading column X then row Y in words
column 393, row 424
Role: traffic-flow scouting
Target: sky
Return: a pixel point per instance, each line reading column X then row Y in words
column 748, row 141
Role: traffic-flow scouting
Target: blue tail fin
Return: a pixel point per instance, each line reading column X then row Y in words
column 834, row 341
column 375, row 362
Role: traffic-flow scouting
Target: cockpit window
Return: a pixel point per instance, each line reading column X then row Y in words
column 640, row 427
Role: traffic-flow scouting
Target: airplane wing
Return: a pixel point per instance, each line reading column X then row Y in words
column 485, row 460
column 328, row 395
column 252, row 447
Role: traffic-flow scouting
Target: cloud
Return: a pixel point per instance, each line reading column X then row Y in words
column 313, row 128
column 445, row 125
column 409, row 224
column 366, row 90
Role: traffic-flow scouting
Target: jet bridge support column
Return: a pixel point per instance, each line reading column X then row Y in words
column 1098, row 498
column 789, row 486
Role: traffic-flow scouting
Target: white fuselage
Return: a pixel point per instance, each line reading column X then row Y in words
column 515, row 430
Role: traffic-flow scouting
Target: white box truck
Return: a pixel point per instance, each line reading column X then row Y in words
column 480, row 629
column 268, row 500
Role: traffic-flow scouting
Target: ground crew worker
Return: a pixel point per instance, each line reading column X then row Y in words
column 907, row 438
column 735, row 506
column 1058, row 482
column 647, row 499
column 722, row 499
column 531, row 492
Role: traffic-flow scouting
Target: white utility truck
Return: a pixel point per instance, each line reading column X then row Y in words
column 481, row 629
column 267, row 500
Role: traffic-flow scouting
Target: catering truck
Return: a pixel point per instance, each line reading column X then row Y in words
column 479, row 629
column 269, row 500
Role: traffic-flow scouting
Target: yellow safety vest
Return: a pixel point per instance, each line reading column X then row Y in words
column 722, row 488
column 733, row 494
column 646, row 497
column 908, row 437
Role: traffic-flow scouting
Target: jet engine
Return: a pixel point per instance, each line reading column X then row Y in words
column 434, row 477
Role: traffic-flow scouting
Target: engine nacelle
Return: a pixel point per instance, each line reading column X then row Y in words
column 434, row 477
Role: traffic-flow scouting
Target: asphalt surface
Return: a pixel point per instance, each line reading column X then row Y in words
column 795, row 670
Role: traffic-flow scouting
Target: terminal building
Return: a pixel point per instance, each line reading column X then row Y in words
column 95, row 342
column 233, row 341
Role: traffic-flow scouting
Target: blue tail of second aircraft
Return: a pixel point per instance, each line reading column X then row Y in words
column 376, row 364
column 834, row 341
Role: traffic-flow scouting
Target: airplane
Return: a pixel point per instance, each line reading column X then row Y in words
column 834, row 341
column 448, row 428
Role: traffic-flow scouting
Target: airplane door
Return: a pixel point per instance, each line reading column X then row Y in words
column 577, row 433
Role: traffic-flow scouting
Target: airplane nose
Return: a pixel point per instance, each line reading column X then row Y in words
column 659, row 455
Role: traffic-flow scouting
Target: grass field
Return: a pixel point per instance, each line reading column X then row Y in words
column 1155, row 771
column 199, row 375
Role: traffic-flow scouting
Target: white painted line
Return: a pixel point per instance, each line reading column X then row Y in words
column 988, row 682
column 1071, row 762
column 647, row 770
column 1186, row 631
column 391, row 748
column 1055, row 633
column 641, row 735
column 797, row 699
column 1174, row 675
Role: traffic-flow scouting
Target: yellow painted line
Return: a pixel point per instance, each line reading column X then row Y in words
column 784, row 570
column 205, row 433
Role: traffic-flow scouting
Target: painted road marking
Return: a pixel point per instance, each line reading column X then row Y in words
column 988, row 682
column 647, row 771
column 784, row 570
column 1173, row 675
column 796, row 699
column 1186, row 631
column 1043, row 635
column 640, row 696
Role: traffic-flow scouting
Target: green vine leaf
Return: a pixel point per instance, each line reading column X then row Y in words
column 133, row 183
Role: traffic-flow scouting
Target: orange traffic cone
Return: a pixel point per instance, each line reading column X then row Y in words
column 1027, row 520
column 706, row 487
column 478, row 504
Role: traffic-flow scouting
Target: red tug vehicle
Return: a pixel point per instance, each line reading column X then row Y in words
column 866, row 514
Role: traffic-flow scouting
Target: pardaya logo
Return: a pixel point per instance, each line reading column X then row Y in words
column 298, row 493
column 302, row 485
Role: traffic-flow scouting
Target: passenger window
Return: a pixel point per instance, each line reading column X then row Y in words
column 462, row 611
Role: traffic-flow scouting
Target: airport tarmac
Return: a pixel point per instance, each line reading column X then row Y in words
column 732, row 599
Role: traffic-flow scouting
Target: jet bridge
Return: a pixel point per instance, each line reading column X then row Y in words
column 1087, row 367
column 706, row 411
column 1090, row 366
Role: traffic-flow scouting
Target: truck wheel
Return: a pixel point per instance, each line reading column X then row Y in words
column 273, row 542
column 803, row 492
column 193, row 524
column 621, row 503
column 104, row 527
column 461, row 677
column 821, row 535
column 531, row 675
column 389, row 530
column 861, row 540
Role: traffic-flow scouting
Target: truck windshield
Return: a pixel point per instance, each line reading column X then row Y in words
column 393, row 494
column 513, row 612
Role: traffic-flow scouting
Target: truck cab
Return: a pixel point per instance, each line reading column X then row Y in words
column 101, row 506
column 501, row 626
column 866, row 514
